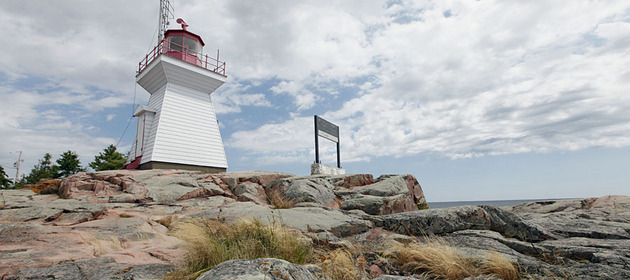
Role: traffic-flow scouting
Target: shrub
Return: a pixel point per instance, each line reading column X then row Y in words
column 211, row 242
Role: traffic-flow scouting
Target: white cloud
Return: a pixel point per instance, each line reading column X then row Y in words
column 491, row 79
column 284, row 137
column 303, row 98
column 232, row 96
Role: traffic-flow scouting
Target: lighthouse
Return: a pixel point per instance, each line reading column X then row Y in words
column 178, row 128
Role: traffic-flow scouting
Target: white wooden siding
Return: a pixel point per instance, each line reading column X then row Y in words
column 155, row 102
column 184, row 129
column 188, row 132
column 132, row 153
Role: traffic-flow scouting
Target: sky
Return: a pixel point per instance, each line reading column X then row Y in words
column 480, row 100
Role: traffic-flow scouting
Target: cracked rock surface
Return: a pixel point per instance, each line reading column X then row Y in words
column 114, row 225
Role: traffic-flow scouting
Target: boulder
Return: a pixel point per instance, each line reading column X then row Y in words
column 388, row 194
column 614, row 208
column 248, row 191
column 305, row 189
column 372, row 205
column 389, row 186
column 449, row 220
column 599, row 218
column 170, row 187
column 263, row 268
column 356, row 180
column 68, row 211
column 378, row 205
column 607, row 251
column 97, row 268
column 315, row 219
column 306, row 219
column 15, row 198
column 262, row 178
column 157, row 186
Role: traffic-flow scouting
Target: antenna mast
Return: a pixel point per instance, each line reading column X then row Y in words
column 17, row 166
column 166, row 13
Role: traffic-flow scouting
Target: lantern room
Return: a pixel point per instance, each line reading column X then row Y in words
column 184, row 45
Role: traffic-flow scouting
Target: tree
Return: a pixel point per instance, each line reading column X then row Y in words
column 43, row 169
column 68, row 164
column 108, row 159
column 5, row 182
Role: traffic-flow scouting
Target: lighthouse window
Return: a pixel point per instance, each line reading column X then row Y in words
column 191, row 45
column 175, row 43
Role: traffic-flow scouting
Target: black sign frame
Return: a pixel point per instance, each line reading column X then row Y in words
column 328, row 131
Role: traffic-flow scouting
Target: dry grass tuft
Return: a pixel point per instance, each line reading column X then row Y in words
column 279, row 202
column 498, row 266
column 339, row 265
column 211, row 242
column 435, row 258
column 167, row 221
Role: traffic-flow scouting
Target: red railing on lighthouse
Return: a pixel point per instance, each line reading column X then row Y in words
column 184, row 54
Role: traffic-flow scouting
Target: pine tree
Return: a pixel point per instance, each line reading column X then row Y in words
column 5, row 182
column 108, row 159
column 42, row 170
column 68, row 164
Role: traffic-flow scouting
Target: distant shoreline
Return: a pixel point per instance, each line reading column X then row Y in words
column 497, row 203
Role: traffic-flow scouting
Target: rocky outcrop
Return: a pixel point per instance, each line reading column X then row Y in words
column 385, row 195
column 449, row 220
column 265, row 268
column 306, row 189
column 114, row 225
column 121, row 215
column 97, row 268
column 157, row 186
column 388, row 194
column 316, row 221
column 600, row 218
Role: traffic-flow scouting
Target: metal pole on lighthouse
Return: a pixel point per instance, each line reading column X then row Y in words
column 166, row 13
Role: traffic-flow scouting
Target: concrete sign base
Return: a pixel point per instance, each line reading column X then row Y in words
column 321, row 169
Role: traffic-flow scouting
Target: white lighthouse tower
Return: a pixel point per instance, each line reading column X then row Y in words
column 178, row 128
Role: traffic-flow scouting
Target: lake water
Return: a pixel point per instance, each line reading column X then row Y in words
column 496, row 203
